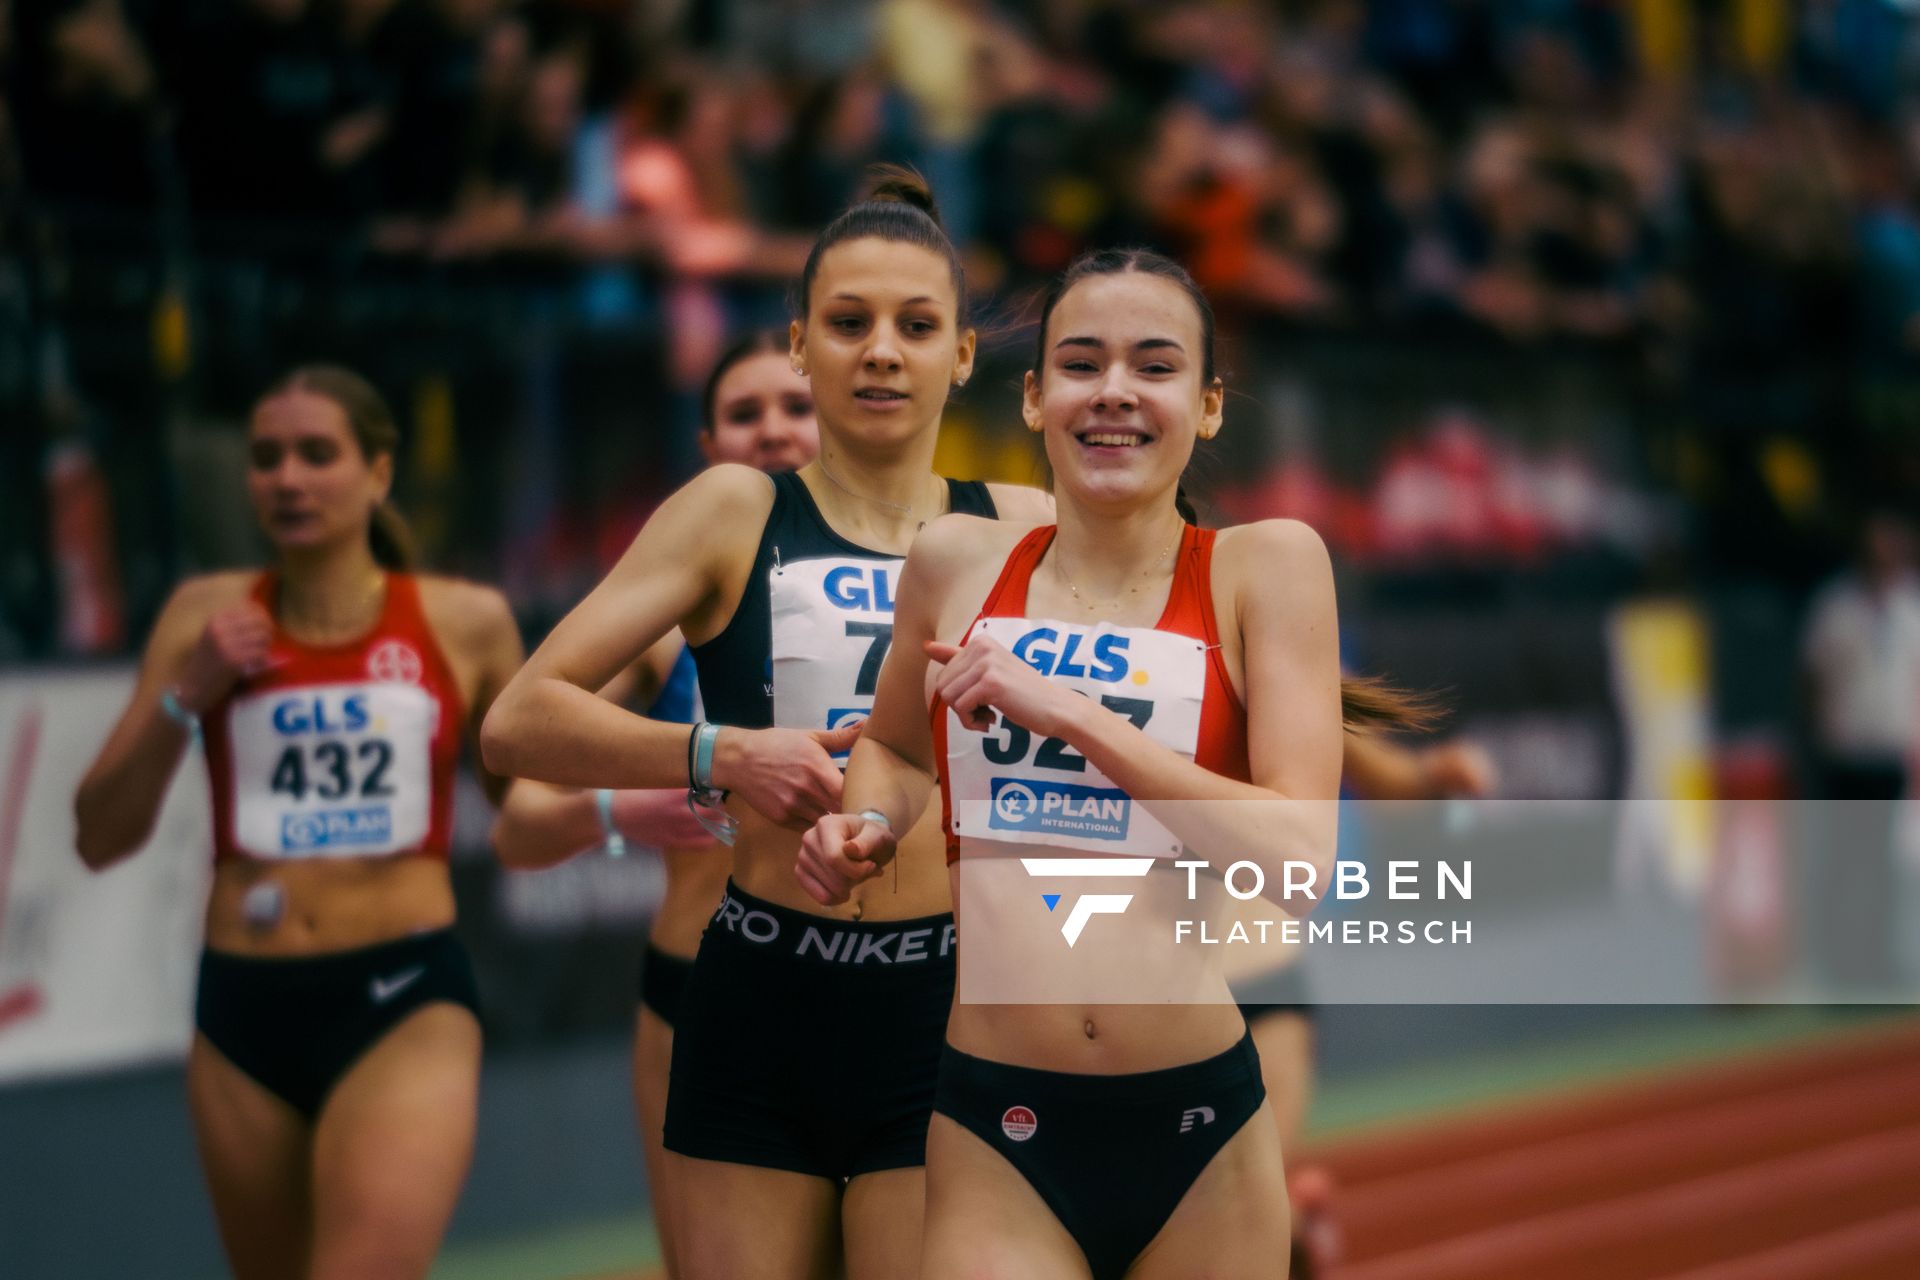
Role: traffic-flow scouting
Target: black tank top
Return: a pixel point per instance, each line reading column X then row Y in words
column 804, row 647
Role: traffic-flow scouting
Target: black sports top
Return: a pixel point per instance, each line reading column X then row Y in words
column 804, row 647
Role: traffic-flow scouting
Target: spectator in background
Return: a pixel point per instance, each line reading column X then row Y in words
column 1442, row 53
column 456, row 69
column 1862, row 657
column 1853, row 52
column 86, row 110
column 1252, row 220
column 954, row 62
column 1887, row 229
column 269, row 120
column 840, row 129
column 530, row 176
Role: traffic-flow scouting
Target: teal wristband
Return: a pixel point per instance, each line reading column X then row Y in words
column 704, row 736
column 874, row 815
column 614, row 843
column 701, row 793
column 171, row 708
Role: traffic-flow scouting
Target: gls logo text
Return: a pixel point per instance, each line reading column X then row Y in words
column 866, row 590
column 317, row 714
column 1041, row 649
column 1087, row 905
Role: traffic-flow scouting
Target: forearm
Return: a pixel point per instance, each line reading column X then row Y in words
column 552, row 731
column 541, row 825
column 1219, row 819
column 120, row 797
column 878, row 777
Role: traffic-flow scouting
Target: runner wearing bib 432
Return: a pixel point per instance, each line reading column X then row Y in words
column 344, row 752
column 336, row 1055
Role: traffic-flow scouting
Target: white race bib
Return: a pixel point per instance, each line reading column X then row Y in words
column 1009, row 785
column 334, row 770
column 832, row 624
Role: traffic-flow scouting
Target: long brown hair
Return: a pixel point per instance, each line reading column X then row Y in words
column 377, row 434
column 1366, row 702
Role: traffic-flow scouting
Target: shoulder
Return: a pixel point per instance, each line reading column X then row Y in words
column 211, row 592
column 710, row 517
column 1275, row 549
column 953, row 542
column 199, row 597
column 1021, row 504
column 727, row 488
column 468, row 615
column 193, row 603
column 1275, row 566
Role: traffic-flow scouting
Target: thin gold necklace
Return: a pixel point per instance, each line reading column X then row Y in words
column 1152, row 571
column 332, row 624
column 898, row 509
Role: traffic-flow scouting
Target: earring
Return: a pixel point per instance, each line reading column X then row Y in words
column 798, row 367
column 959, row 382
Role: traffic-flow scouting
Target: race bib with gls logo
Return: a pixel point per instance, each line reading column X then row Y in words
column 832, row 623
column 1011, row 785
column 333, row 771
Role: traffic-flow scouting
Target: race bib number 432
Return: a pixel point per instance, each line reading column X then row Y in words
column 1014, row 786
column 340, row 770
column 832, row 625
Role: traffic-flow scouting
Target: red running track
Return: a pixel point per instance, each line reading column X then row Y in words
column 1801, row 1165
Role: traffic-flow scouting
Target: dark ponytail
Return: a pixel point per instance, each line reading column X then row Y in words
column 375, row 431
column 899, row 207
column 391, row 540
column 1184, row 505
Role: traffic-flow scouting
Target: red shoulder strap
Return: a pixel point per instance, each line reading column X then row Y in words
column 1195, row 585
column 403, row 608
column 1009, row 595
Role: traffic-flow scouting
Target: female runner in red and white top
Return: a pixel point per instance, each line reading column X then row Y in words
column 1097, row 1136
column 334, row 1072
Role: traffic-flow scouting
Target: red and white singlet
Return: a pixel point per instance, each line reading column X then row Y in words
column 344, row 751
column 1009, row 786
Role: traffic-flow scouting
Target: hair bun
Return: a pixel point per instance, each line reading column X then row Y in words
column 896, row 183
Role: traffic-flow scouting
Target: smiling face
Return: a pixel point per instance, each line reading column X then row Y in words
column 881, row 342
column 310, row 483
column 1122, row 394
column 762, row 416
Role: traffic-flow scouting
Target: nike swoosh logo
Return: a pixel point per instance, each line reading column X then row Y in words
column 385, row 989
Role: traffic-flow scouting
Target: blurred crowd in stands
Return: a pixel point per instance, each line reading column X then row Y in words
column 1717, row 200
column 1738, row 174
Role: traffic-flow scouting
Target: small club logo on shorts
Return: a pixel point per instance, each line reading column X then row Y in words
column 397, row 662
column 1019, row 1123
